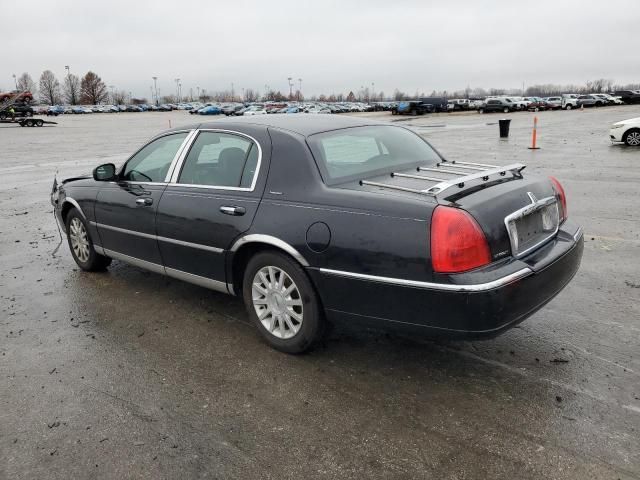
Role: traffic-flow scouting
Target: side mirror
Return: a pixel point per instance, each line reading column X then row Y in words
column 104, row 173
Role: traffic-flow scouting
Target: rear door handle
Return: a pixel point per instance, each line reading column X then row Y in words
column 237, row 211
column 144, row 202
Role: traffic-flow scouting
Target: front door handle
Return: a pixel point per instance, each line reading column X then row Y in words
column 237, row 211
column 144, row 202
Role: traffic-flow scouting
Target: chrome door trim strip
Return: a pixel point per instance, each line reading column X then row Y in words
column 190, row 244
column 159, row 238
column 180, row 163
column 98, row 248
column 268, row 239
column 124, row 230
column 480, row 287
column 197, row 280
column 154, row 267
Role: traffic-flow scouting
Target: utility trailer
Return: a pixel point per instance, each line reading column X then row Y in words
column 28, row 122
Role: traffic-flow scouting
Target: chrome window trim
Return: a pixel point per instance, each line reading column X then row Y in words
column 480, row 287
column 158, row 238
column 535, row 205
column 270, row 240
column 178, row 167
column 180, row 154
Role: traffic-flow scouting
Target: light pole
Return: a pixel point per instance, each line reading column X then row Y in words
column 177, row 90
column 299, row 89
column 373, row 90
column 15, row 81
column 290, row 88
column 72, row 90
column 267, row 93
column 233, row 93
column 155, row 87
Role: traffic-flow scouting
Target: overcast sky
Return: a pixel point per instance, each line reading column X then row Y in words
column 334, row 46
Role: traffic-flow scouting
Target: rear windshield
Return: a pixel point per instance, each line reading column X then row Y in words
column 355, row 153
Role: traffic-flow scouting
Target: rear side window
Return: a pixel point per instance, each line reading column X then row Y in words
column 218, row 159
column 358, row 152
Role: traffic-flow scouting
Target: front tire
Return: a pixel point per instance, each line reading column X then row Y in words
column 81, row 244
column 505, row 110
column 282, row 302
column 632, row 137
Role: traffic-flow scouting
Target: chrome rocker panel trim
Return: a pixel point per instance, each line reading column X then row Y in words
column 480, row 287
column 171, row 272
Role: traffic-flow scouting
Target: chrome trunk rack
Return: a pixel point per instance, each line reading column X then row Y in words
column 457, row 174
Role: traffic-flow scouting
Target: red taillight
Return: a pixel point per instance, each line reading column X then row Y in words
column 561, row 196
column 457, row 242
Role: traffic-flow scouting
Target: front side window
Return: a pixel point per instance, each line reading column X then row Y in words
column 152, row 163
column 219, row 159
column 354, row 153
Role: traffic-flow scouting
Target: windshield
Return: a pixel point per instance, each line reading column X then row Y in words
column 354, row 153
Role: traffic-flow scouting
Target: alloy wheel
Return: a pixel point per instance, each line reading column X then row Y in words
column 277, row 302
column 79, row 239
column 633, row 138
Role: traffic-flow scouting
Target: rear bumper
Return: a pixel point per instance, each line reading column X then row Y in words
column 475, row 304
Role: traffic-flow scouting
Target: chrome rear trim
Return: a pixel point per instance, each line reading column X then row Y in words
column 480, row 287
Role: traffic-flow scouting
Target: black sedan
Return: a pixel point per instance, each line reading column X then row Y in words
column 314, row 219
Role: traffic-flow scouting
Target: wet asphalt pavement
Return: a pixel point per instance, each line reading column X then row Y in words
column 128, row 374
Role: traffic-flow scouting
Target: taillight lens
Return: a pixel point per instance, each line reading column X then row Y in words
column 557, row 187
column 457, row 242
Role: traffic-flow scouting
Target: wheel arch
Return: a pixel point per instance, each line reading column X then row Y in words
column 246, row 247
column 67, row 205
column 625, row 135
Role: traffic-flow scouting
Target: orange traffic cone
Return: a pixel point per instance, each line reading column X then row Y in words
column 534, row 135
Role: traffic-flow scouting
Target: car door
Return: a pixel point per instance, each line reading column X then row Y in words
column 125, row 209
column 212, row 198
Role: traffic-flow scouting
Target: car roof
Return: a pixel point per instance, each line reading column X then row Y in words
column 301, row 124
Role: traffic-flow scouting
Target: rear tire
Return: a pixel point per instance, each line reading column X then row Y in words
column 505, row 109
column 632, row 137
column 282, row 302
column 81, row 244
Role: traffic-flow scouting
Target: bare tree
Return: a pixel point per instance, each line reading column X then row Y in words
column 250, row 95
column 49, row 88
column 398, row 95
column 120, row 97
column 26, row 83
column 71, row 89
column 93, row 91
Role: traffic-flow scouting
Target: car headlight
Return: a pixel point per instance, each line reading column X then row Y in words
column 617, row 125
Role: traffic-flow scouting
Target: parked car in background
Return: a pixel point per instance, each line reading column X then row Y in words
column 210, row 110
column 458, row 104
column 55, row 110
column 412, row 107
column 254, row 110
column 569, row 101
column 466, row 258
column 134, row 108
column 439, row 103
column 628, row 96
column 554, row 103
column 627, row 131
column 503, row 105
column 589, row 101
